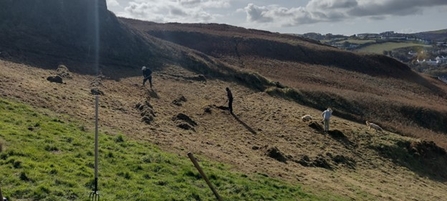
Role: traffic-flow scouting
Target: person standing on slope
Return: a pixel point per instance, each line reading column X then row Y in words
column 230, row 100
column 147, row 74
column 326, row 116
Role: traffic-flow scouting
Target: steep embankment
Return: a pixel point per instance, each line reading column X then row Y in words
column 225, row 42
column 358, row 86
column 62, row 31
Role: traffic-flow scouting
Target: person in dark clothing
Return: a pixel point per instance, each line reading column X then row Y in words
column 230, row 100
column 147, row 74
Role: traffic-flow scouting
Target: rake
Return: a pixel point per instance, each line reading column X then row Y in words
column 94, row 195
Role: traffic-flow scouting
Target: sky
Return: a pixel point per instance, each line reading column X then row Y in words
column 345, row 17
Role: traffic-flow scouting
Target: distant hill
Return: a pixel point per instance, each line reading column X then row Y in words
column 228, row 42
column 437, row 36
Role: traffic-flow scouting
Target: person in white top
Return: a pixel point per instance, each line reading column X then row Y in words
column 326, row 116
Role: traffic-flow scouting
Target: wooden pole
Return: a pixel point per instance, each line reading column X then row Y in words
column 194, row 161
column 96, row 142
column 1, row 194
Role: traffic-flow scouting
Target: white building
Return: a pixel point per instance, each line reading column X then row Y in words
column 441, row 60
column 428, row 62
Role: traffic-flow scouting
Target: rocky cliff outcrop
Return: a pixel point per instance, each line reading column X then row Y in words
column 81, row 30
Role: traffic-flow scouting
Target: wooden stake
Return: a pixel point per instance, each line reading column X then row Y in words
column 204, row 176
column 1, row 194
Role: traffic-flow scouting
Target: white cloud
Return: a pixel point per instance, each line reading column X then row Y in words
column 188, row 2
column 204, row 3
column 259, row 13
column 342, row 16
column 111, row 3
column 331, row 4
column 186, row 11
column 337, row 10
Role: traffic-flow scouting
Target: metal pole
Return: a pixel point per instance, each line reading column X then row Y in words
column 94, row 195
column 204, row 176
column 96, row 143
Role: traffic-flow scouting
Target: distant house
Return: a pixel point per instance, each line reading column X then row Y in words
column 387, row 33
column 397, row 38
column 412, row 53
column 390, row 35
column 441, row 60
column 428, row 62
column 442, row 51
column 441, row 44
column 353, row 46
column 368, row 36
column 424, row 41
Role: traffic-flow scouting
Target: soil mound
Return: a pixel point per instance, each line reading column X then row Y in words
column 146, row 111
column 275, row 153
column 184, row 121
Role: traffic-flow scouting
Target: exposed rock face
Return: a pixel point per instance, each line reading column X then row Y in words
column 57, row 20
column 80, row 30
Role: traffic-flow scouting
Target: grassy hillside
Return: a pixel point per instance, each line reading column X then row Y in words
column 263, row 150
column 46, row 156
column 244, row 48
column 388, row 46
column 438, row 35
column 358, row 86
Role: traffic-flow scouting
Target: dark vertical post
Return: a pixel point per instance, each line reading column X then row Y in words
column 94, row 195
column 96, row 143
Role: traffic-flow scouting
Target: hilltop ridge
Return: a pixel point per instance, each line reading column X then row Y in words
column 235, row 43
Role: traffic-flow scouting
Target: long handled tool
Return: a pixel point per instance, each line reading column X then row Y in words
column 1, row 194
column 194, row 161
column 94, row 195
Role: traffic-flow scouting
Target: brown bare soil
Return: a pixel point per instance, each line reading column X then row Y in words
column 183, row 113
column 359, row 87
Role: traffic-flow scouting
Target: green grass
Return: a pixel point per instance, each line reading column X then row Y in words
column 442, row 31
column 46, row 157
column 358, row 41
column 388, row 46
